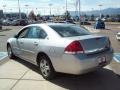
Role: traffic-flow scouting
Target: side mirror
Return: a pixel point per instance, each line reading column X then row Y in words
column 15, row 36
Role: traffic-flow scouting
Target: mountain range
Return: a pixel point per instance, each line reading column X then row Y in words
column 108, row 11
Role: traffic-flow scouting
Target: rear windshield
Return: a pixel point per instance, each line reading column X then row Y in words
column 70, row 30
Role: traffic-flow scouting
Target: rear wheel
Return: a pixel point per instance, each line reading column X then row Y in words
column 10, row 53
column 46, row 68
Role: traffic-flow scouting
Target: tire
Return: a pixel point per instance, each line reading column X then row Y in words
column 46, row 68
column 10, row 53
column 118, row 40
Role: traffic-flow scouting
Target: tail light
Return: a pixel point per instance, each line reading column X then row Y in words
column 74, row 48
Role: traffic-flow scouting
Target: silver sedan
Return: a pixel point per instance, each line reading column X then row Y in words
column 62, row 48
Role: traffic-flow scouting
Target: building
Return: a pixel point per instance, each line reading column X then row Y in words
column 15, row 15
column 1, row 14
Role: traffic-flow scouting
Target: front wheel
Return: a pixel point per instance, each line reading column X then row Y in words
column 46, row 68
column 10, row 53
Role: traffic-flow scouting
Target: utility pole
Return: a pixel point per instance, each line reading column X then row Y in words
column 19, row 9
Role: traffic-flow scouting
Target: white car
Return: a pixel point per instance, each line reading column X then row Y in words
column 118, row 36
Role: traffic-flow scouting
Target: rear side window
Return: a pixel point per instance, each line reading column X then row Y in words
column 43, row 34
column 33, row 33
column 69, row 30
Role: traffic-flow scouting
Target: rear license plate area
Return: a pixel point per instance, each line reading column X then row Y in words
column 102, row 61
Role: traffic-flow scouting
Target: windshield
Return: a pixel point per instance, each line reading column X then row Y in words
column 69, row 30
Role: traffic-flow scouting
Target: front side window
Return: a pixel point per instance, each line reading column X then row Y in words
column 23, row 33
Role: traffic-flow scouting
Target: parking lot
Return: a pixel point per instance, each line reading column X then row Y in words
column 20, row 75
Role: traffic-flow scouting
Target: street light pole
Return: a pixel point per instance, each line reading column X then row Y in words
column 4, row 6
column 79, row 13
column 44, row 11
column 50, row 8
column 19, row 10
column 100, row 9
column 27, row 9
column 66, row 10
column 36, row 11
column 11, row 12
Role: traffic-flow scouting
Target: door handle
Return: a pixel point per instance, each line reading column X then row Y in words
column 21, row 42
column 35, row 43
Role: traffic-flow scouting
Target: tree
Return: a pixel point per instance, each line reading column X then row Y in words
column 32, row 15
column 118, row 17
column 38, row 17
column 92, row 17
column 67, row 15
column 107, row 16
column 85, row 16
column 102, row 16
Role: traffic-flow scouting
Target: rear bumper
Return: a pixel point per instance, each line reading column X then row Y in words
column 80, row 64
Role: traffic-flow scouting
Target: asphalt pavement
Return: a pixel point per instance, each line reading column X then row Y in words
column 20, row 75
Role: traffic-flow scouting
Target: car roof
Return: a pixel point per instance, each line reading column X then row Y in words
column 51, row 24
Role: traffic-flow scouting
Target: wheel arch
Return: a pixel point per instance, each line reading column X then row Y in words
column 42, row 54
column 8, row 44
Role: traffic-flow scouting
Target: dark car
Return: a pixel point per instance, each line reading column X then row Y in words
column 66, row 21
column 0, row 24
column 85, row 23
column 21, row 22
column 70, row 21
column 99, row 24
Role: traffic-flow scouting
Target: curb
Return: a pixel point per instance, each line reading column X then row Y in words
column 3, row 58
column 3, row 61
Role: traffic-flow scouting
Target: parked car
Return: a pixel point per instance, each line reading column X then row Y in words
column 118, row 36
column 56, row 47
column 66, row 22
column 21, row 22
column 85, row 23
column 0, row 24
column 99, row 24
column 70, row 21
column 7, row 22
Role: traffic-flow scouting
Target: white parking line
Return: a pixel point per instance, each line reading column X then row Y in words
column 3, row 55
column 117, row 57
column 92, row 30
column 108, row 67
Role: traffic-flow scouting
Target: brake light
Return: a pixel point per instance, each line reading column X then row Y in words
column 74, row 48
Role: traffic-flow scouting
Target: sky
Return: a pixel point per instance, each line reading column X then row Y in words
column 58, row 6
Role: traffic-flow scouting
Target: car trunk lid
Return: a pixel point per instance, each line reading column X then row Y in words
column 92, row 43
